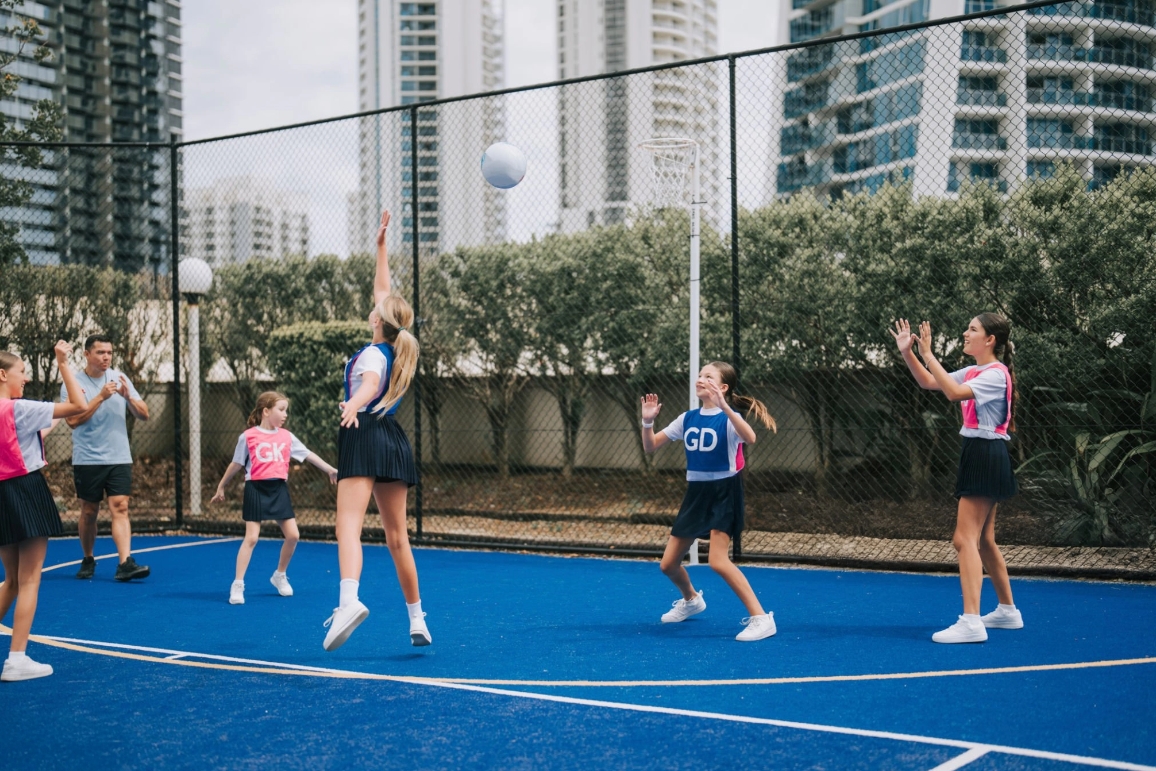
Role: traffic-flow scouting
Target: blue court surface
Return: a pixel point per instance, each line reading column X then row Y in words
column 545, row 662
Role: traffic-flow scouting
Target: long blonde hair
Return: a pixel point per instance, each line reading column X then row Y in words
column 396, row 316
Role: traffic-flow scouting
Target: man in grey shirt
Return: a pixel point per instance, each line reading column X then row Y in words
column 101, row 458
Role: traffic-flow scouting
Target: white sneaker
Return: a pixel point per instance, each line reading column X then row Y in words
column 418, row 633
column 342, row 623
column 237, row 593
column 962, row 631
column 24, row 669
column 757, row 628
column 681, row 610
column 1000, row 618
column 282, row 583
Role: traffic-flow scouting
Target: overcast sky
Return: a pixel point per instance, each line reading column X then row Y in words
column 264, row 63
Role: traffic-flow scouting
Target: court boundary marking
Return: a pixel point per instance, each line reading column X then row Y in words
column 973, row 750
column 114, row 555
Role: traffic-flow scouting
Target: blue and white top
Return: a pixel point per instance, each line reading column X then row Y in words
column 708, row 456
column 372, row 358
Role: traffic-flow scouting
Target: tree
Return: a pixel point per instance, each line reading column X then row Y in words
column 43, row 126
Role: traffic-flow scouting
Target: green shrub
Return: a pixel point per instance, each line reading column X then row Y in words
column 308, row 361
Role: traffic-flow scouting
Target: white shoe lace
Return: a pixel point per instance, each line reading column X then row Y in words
column 329, row 620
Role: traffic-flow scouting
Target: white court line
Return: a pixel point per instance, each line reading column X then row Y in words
column 959, row 761
column 272, row 667
column 144, row 551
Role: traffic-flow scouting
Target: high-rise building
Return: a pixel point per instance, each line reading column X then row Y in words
column 409, row 54
column 602, row 123
column 240, row 219
column 997, row 100
column 116, row 72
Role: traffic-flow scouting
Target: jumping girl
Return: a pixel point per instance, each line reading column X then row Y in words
column 374, row 456
column 713, row 505
column 986, row 392
column 28, row 513
column 263, row 453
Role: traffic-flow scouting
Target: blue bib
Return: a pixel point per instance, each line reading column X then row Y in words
column 383, row 386
column 705, row 439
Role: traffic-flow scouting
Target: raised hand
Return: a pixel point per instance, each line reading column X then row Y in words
column 381, row 229
column 902, row 334
column 123, row 387
column 715, row 391
column 63, row 351
column 925, row 340
column 109, row 390
column 650, row 407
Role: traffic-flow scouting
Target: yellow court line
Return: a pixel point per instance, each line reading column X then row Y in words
column 274, row 668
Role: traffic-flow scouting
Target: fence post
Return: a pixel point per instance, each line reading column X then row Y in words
column 174, row 249
column 736, row 354
column 416, row 385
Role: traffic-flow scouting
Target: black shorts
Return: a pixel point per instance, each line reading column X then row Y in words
column 718, row 504
column 985, row 470
column 27, row 509
column 94, row 482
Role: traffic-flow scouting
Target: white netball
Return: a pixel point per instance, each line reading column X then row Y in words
column 503, row 165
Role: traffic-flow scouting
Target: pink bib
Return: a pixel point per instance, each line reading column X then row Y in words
column 970, row 418
column 11, row 459
column 268, row 453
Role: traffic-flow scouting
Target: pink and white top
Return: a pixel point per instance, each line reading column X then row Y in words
column 21, row 446
column 265, row 453
column 987, row 415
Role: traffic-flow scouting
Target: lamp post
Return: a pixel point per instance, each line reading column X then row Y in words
column 194, row 279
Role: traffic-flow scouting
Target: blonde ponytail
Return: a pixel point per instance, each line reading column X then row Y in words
column 396, row 317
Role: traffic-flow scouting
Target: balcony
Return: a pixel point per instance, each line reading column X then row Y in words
column 1057, row 53
column 1124, row 12
column 800, row 104
column 977, row 98
column 793, row 178
column 1136, row 102
column 797, row 139
column 983, row 54
column 978, row 142
column 1061, row 9
column 1126, row 145
column 1060, row 142
column 1121, row 57
column 978, row 6
column 809, row 62
column 954, row 184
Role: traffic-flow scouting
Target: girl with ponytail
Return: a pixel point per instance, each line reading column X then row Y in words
column 374, row 458
column 713, row 507
column 263, row 452
column 987, row 394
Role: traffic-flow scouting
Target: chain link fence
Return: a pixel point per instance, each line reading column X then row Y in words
column 1002, row 162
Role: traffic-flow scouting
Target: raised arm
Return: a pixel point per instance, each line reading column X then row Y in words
column 381, row 276
column 742, row 427
column 651, row 441
column 137, row 406
column 954, row 391
column 107, row 392
column 76, row 403
column 904, row 339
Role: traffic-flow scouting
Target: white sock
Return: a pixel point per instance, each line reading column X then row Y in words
column 15, row 656
column 972, row 618
column 278, row 573
column 348, row 592
column 1007, row 607
column 414, row 609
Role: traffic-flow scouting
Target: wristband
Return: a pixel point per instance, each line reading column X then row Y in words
column 648, row 425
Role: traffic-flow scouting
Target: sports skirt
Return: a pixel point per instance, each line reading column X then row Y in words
column 378, row 448
column 266, row 499
column 985, row 470
column 717, row 504
column 27, row 509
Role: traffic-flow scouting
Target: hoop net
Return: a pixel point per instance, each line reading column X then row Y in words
column 670, row 160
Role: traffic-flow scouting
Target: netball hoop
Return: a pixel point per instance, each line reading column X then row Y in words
column 671, row 160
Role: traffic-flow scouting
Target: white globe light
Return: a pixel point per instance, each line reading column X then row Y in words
column 503, row 165
column 194, row 276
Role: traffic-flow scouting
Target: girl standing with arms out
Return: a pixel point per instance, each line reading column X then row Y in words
column 28, row 513
column 374, row 456
column 986, row 392
column 263, row 453
column 713, row 437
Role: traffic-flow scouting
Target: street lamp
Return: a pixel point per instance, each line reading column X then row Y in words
column 194, row 278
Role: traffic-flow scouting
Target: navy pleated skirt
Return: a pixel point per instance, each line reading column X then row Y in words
column 27, row 509
column 985, row 470
column 378, row 448
column 717, row 504
column 266, row 499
